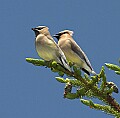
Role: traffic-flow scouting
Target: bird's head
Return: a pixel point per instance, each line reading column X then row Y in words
column 40, row 30
column 58, row 35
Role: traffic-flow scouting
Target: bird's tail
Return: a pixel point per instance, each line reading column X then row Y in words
column 88, row 72
column 64, row 63
column 93, row 72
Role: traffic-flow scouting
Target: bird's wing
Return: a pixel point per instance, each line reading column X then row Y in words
column 80, row 53
column 60, row 54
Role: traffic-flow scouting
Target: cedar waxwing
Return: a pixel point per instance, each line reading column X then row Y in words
column 47, row 48
column 73, row 52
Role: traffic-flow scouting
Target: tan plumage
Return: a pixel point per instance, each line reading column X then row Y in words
column 47, row 48
column 73, row 52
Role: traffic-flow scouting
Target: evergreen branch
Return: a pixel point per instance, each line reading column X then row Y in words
column 87, row 86
column 112, row 67
column 104, row 108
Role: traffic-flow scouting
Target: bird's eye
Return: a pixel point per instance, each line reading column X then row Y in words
column 39, row 28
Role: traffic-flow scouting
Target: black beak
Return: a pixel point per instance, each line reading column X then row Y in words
column 56, row 35
column 33, row 29
column 36, row 31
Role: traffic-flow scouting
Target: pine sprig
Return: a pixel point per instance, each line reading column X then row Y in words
column 86, row 86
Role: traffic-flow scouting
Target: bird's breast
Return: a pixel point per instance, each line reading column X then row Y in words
column 45, row 49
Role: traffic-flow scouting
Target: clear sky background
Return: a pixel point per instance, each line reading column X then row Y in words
column 27, row 91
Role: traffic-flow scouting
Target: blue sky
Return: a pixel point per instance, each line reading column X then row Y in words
column 27, row 91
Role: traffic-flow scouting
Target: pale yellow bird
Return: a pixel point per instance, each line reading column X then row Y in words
column 73, row 52
column 47, row 48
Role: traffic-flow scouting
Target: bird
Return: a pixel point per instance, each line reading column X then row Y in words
column 47, row 48
column 73, row 52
